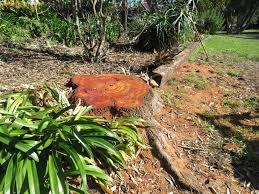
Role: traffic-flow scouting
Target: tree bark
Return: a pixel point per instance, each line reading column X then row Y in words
column 239, row 13
column 126, row 12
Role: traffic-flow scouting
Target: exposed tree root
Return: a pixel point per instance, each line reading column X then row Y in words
column 165, row 160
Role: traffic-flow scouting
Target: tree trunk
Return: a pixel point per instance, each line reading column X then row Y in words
column 245, row 20
column 115, row 95
column 126, row 12
column 239, row 13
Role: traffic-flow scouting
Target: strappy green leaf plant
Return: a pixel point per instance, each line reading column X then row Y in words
column 53, row 147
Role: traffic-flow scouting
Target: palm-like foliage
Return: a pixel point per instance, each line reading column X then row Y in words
column 169, row 26
column 45, row 148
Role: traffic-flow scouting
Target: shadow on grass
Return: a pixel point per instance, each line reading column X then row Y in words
column 246, row 166
column 254, row 37
column 9, row 53
column 246, row 35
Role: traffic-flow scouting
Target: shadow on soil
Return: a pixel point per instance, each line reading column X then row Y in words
column 13, row 52
column 245, row 167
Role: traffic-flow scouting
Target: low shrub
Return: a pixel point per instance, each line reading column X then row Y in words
column 252, row 102
column 59, row 29
column 113, row 29
column 210, row 16
column 210, row 21
column 19, row 25
column 11, row 30
column 48, row 145
column 167, row 27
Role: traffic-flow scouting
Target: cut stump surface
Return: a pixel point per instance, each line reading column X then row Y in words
column 111, row 91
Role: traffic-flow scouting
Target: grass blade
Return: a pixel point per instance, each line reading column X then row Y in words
column 77, row 161
column 53, row 176
column 33, row 179
column 8, row 179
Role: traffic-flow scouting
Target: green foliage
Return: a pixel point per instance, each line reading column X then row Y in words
column 171, row 100
column 232, row 102
column 205, row 124
column 59, row 29
column 10, row 29
column 236, row 47
column 196, row 81
column 210, row 16
column 19, row 27
column 168, row 98
column 210, row 21
column 233, row 73
column 167, row 27
column 113, row 26
column 252, row 102
column 137, row 23
column 113, row 29
column 47, row 147
column 249, row 102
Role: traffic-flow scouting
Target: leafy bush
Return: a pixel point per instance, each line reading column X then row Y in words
column 20, row 24
column 210, row 21
column 59, row 29
column 168, row 26
column 47, row 144
column 11, row 30
column 138, row 22
column 113, row 29
column 33, row 25
column 210, row 17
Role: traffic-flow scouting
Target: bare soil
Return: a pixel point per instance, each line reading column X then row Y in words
column 213, row 146
column 210, row 134
column 23, row 66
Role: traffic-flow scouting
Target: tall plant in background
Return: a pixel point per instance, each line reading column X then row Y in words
column 48, row 145
column 95, row 32
column 19, row 22
column 239, row 13
column 169, row 26
column 210, row 16
column 95, row 23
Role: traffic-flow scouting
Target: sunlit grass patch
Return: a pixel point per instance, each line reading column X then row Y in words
column 170, row 99
column 234, row 73
column 239, row 46
column 196, row 81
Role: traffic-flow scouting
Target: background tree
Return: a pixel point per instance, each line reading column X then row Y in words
column 238, row 14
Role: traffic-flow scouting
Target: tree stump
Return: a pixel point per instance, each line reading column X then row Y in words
column 113, row 94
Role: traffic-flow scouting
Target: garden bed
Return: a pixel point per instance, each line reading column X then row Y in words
column 208, row 126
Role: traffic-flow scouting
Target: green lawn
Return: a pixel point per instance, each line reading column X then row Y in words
column 244, row 45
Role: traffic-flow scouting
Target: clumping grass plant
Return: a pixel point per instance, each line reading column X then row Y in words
column 171, row 25
column 49, row 145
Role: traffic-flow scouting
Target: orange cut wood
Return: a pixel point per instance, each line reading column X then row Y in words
column 110, row 90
